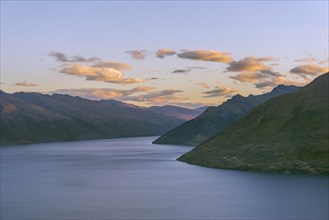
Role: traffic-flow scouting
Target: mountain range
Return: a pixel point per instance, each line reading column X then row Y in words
column 34, row 117
column 216, row 119
column 288, row 133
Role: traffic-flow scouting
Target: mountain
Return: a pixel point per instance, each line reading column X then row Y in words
column 177, row 112
column 288, row 133
column 34, row 117
column 216, row 119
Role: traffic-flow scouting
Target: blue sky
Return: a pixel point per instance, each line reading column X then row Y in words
column 268, row 43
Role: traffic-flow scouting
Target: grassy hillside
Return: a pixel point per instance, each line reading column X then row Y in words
column 288, row 133
column 216, row 119
column 34, row 117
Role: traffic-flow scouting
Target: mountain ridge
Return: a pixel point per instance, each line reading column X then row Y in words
column 216, row 119
column 288, row 133
column 34, row 118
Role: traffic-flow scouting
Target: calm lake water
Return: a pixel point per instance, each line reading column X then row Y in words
column 132, row 179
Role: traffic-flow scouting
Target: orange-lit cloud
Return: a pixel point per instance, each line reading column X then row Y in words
column 115, row 65
column 250, row 64
column 204, row 85
column 161, row 53
column 101, row 74
column 252, row 77
column 309, row 70
column 61, row 57
column 279, row 80
column 137, row 54
column 206, row 55
column 25, row 83
column 162, row 97
column 104, row 93
column 220, row 91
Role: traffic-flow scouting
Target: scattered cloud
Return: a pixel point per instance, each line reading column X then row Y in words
column 104, row 93
column 25, row 83
column 252, row 77
column 307, row 60
column 115, row 65
column 220, row 91
column 206, row 55
column 194, row 104
column 250, row 64
column 162, row 97
column 101, row 74
column 204, row 85
column 196, row 67
column 280, row 80
column 137, row 54
column 161, row 53
column 179, row 71
column 61, row 57
column 309, row 70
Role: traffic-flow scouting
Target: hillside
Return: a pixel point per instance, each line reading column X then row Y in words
column 288, row 133
column 216, row 119
column 33, row 117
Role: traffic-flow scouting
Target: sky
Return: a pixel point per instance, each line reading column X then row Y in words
column 185, row 53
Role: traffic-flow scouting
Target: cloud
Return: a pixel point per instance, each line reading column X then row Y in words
column 307, row 60
column 252, row 77
column 61, row 57
column 309, row 70
column 204, row 85
column 206, row 55
column 280, row 80
column 101, row 74
column 137, row 54
column 115, row 65
column 179, row 71
column 25, row 83
column 161, row 53
column 157, row 97
column 194, row 104
column 220, row 91
column 104, row 93
column 250, row 64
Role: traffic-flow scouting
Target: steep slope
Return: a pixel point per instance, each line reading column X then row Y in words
column 216, row 119
column 288, row 133
column 177, row 112
column 33, row 117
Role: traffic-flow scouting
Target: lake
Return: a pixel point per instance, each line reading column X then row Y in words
column 130, row 178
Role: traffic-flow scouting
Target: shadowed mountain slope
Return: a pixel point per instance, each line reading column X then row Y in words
column 288, row 133
column 34, row 117
column 216, row 119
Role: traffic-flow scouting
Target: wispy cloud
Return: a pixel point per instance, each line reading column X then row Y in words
column 162, row 97
column 204, row 85
column 61, row 57
column 220, row 91
column 25, row 83
column 104, row 93
column 101, row 74
column 307, row 60
column 194, row 104
column 250, row 64
column 161, row 53
column 137, row 54
column 309, row 70
column 252, row 77
column 206, row 55
column 280, row 80
column 115, row 65
column 180, row 71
